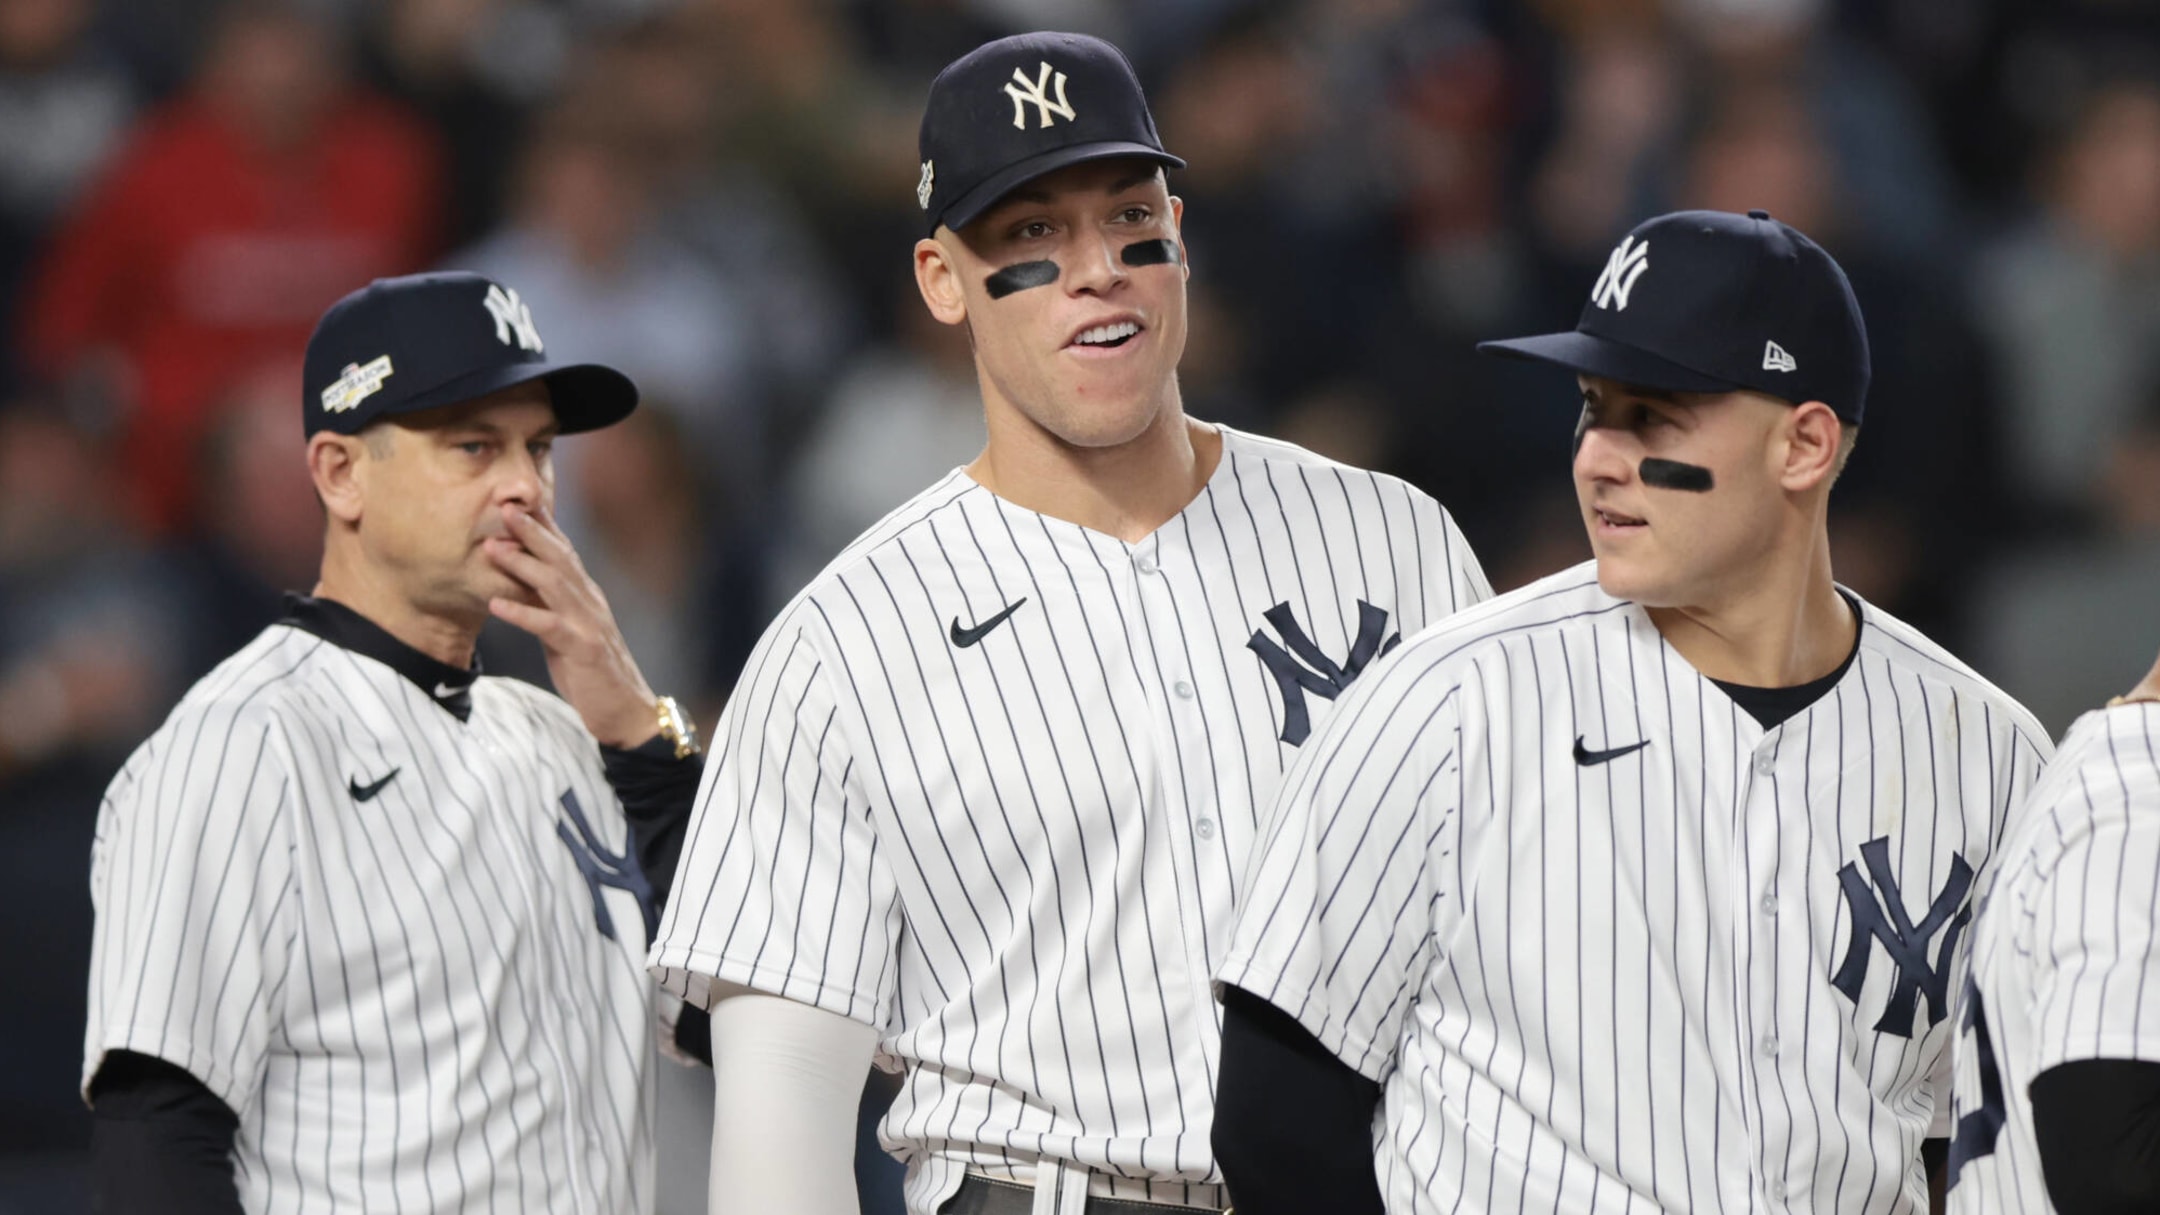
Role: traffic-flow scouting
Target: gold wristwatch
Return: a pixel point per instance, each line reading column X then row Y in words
column 677, row 727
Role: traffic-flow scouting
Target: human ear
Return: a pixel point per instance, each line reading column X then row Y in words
column 939, row 281
column 334, row 462
column 1809, row 441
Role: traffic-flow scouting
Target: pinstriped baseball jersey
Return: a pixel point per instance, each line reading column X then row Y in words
column 988, row 783
column 406, row 948
column 2064, row 951
column 1610, row 945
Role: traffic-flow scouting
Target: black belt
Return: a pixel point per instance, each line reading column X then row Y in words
column 980, row 1195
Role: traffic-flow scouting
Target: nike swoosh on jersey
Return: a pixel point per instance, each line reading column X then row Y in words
column 362, row 793
column 1590, row 759
column 967, row 637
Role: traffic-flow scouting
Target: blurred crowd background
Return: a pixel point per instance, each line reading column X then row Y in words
column 717, row 196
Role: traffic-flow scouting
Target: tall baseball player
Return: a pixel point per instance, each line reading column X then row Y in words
column 986, row 785
column 370, row 925
column 1640, row 888
column 2057, row 1099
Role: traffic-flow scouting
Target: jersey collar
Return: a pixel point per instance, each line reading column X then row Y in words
column 448, row 686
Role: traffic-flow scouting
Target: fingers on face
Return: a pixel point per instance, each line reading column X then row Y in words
column 538, row 531
column 522, row 564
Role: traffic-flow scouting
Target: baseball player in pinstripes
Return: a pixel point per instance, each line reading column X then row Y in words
column 371, row 926
column 986, row 785
column 1642, row 887
column 2057, row 1098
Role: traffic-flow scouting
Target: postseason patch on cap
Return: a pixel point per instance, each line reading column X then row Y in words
column 356, row 384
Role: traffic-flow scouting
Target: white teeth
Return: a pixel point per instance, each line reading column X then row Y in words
column 1107, row 333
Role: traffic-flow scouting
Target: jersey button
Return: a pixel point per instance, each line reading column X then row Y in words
column 1184, row 690
column 1147, row 565
column 1777, row 1189
column 1769, row 1048
column 1764, row 765
column 1769, row 904
column 1205, row 828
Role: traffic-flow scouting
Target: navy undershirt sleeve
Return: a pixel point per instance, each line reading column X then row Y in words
column 2098, row 1124
column 160, row 1142
column 657, row 791
column 1293, row 1124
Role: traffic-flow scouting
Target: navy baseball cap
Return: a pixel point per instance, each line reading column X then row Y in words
column 1708, row 301
column 1012, row 110
column 399, row 345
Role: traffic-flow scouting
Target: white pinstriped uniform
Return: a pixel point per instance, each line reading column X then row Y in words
column 1613, row 986
column 2065, row 951
column 1017, row 858
column 407, row 1000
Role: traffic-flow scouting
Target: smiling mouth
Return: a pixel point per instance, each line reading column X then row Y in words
column 1613, row 518
column 1108, row 337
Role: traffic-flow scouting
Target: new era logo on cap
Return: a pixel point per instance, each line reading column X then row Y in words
column 1012, row 110
column 1728, row 292
column 424, row 341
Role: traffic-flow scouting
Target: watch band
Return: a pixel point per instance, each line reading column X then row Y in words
column 677, row 727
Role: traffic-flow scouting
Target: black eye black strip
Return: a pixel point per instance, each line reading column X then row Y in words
column 1672, row 474
column 1020, row 277
column 1151, row 253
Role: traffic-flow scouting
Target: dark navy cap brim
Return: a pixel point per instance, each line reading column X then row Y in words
column 1593, row 355
column 586, row 396
column 968, row 206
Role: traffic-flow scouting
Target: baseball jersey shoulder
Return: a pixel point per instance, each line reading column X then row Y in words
column 1246, row 448
column 1908, row 649
column 1553, row 603
column 251, row 689
column 1370, row 515
column 894, row 528
column 2107, row 766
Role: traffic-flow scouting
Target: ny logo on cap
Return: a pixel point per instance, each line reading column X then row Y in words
column 512, row 317
column 1036, row 92
column 922, row 188
column 1626, row 264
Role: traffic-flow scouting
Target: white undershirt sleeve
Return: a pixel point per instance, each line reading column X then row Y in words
column 787, row 1080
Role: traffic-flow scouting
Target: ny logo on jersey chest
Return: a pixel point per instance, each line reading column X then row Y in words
column 1316, row 673
column 604, row 869
column 1879, row 917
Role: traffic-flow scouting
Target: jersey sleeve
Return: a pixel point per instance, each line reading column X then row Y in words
column 781, row 886
column 1342, row 901
column 2091, row 929
column 191, row 882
